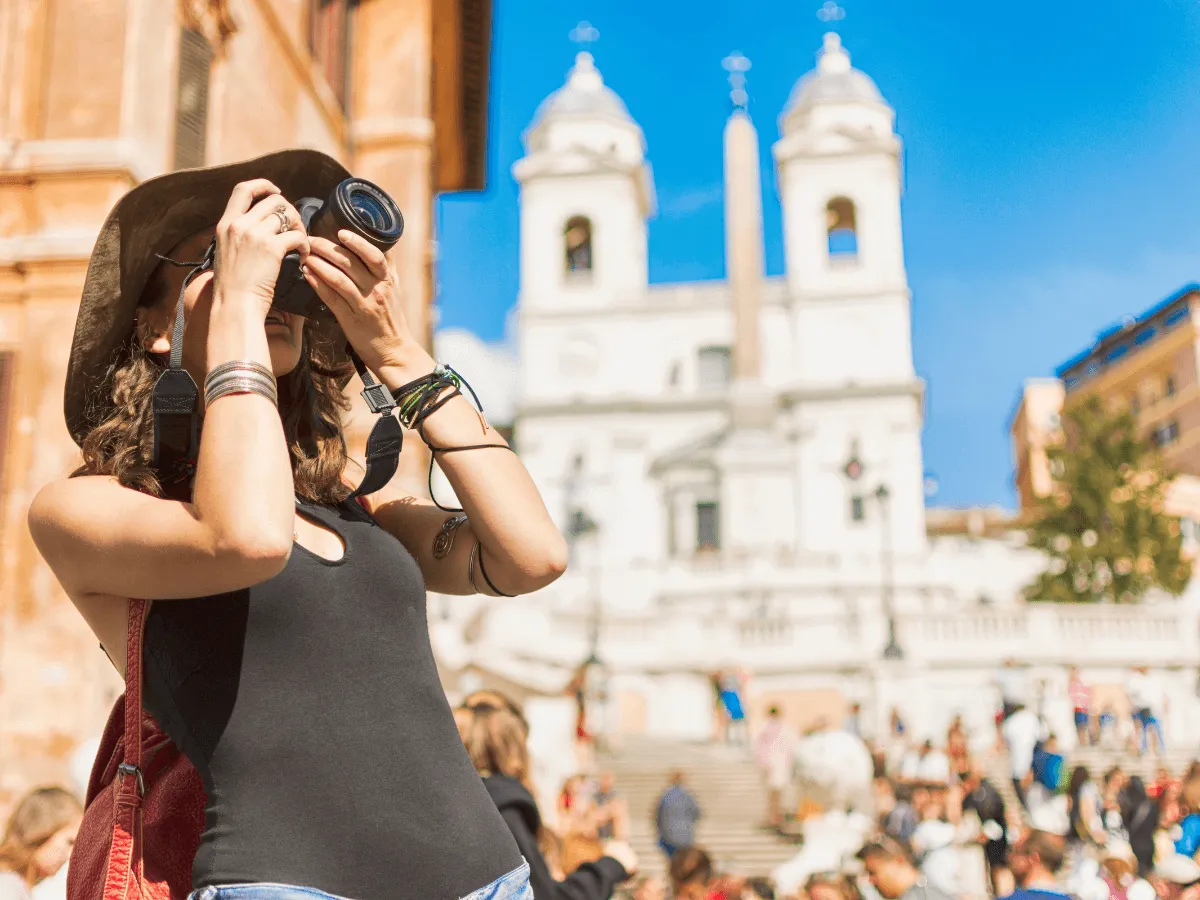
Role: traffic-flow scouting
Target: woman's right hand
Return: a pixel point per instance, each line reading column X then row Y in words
column 250, row 246
column 622, row 853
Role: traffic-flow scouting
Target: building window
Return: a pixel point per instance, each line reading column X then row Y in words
column 329, row 42
column 1177, row 316
column 842, row 227
column 713, row 368
column 1169, row 387
column 1144, row 336
column 858, row 510
column 708, row 533
column 577, row 243
column 191, row 100
column 1165, row 434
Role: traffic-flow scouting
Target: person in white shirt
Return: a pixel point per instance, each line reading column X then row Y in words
column 1013, row 687
column 1021, row 732
column 1148, row 702
column 933, row 767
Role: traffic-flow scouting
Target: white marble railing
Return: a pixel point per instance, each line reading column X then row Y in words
column 1163, row 634
column 1166, row 634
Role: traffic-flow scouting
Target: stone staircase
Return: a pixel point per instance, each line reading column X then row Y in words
column 726, row 784
column 729, row 789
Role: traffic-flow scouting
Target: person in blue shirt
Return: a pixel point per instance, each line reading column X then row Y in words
column 676, row 816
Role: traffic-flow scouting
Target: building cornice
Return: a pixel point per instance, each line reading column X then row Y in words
column 26, row 161
column 707, row 298
column 716, row 402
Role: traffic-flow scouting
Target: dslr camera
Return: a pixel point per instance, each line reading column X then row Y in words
column 356, row 205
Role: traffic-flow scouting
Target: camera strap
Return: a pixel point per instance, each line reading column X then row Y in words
column 387, row 436
column 176, row 407
column 176, row 403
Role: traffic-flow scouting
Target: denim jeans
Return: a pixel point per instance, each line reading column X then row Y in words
column 513, row 886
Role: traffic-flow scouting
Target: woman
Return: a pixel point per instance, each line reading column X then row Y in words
column 1140, row 815
column 495, row 740
column 287, row 648
column 37, row 840
column 1086, row 827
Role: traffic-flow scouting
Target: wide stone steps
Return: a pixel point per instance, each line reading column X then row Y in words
column 729, row 789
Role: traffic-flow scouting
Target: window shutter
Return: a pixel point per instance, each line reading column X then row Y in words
column 6, row 383
column 191, row 100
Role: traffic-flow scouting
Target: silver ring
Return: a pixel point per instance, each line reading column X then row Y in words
column 285, row 223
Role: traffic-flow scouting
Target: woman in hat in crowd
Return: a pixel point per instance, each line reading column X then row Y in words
column 37, row 840
column 286, row 648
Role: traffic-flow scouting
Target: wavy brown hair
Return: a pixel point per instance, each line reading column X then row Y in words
column 311, row 402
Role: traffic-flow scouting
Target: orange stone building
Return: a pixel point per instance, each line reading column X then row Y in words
column 1148, row 365
column 96, row 95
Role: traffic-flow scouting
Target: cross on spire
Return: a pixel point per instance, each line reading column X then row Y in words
column 737, row 66
column 584, row 34
column 831, row 13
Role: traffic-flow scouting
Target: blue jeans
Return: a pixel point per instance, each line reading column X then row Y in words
column 513, row 886
column 1149, row 721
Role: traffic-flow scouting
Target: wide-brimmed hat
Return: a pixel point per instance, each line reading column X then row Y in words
column 152, row 218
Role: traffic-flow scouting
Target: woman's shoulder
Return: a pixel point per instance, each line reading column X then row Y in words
column 62, row 495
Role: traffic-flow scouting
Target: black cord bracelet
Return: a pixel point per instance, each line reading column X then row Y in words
column 488, row 581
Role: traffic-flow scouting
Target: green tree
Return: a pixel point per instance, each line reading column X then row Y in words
column 1103, row 527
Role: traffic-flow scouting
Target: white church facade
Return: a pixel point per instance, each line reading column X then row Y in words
column 739, row 462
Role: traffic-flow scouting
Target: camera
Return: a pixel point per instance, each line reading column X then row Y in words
column 355, row 204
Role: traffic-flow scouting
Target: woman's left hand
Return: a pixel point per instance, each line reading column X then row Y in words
column 360, row 286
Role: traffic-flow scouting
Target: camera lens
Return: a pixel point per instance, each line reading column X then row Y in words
column 363, row 208
column 368, row 207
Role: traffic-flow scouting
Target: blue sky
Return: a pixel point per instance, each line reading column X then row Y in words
column 1052, row 172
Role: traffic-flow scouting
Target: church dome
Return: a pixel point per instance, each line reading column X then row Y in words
column 584, row 94
column 833, row 81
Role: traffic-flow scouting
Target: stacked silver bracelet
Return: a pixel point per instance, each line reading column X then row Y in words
column 240, row 376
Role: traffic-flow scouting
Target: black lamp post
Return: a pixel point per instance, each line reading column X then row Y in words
column 893, row 650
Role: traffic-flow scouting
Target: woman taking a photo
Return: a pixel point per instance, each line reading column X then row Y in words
column 287, row 648
column 37, row 840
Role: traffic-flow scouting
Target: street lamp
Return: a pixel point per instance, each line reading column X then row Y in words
column 892, row 651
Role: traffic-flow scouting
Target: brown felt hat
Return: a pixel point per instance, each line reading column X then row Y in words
column 152, row 218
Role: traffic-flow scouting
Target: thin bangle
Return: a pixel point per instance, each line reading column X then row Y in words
column 471, row 567
column 483, row 572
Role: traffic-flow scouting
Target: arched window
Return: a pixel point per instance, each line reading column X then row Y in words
column 577, row 244
column 842, row 227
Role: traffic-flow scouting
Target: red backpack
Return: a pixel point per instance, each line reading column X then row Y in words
column 145, row 802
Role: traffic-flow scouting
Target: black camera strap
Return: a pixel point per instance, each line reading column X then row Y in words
column 176, row 403
column 176, row 408
column 386, row 438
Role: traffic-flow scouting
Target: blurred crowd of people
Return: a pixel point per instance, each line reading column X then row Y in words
column 951, row 820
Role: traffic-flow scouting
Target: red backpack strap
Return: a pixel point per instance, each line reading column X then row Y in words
column 124, row 858
column 132, row 763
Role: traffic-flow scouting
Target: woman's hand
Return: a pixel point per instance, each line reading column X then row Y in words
column 250, row 245
column 359, row 285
